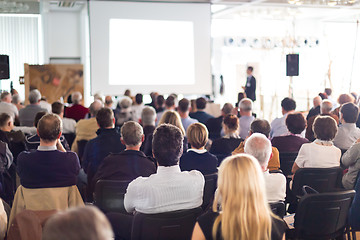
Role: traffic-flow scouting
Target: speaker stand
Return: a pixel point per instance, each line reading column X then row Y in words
column 291, row 90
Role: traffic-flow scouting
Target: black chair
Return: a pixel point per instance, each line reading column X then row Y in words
column 209, row 189
column 109, row 195
column 70, row 137
column 287, row 160
column 320, row 179
column 177, row 225
column 322, row 216
column 278, row 208
column 81, row 148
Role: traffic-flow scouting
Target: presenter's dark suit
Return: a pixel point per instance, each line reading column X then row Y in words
column 250, row 88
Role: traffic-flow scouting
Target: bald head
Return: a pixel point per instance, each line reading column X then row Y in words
column 317, row 101
column 259, row 146
column 326, row 106
column 95, row 107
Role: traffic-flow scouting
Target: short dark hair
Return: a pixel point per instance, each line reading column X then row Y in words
column 167, row 144
column 250, row 68
column 49, row 127
column 350, row 112
column 328, row 91
column 201, row 103
column 57, row 108
column 139, row 98
column 160, row 100
column 104, row 117
column 38, row 116
column 288, row 104
column 4, row 119
column 260, row 126
column 170, row 101
column 184, row 105
column 295, row 122
column 325, row 128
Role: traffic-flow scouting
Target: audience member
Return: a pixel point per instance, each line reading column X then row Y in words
column 6, row 106
column 16, row 100
column 246, row 116
column 173, row 118
column 351, row 160
column 183, row 110
column 125, row 114
column 50, row 165
column 32, row 142
column 315, row 110
column 128, row 164
column 153, row 96
column 343, row 98
column 241, row 95
column 27, row 114
column 137, row 107
column 69, row 124
column 160, row 103
column 214, row 125
column 354, row 213
column 106, row 142
column 245, row 212
column 108, row 102
column 171, row 189
column 148, row 118
column 321, row 153
column 200, row 114
column 169, row 105
column 86, row 128
column 76, row 111
column 197, row 158
column 328, row 92
column 347, row 133
column 261, row 126
column 295, row 123
column 222, row 147
column 325, row 110
column 278, row 125
column 83, row 223
column 259, row 147
column 44, row 104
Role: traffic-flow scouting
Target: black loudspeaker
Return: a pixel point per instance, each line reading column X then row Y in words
column 4, row 67
column 292, row 65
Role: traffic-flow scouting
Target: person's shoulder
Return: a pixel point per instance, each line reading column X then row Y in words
column 193, row 173
column 277, row 176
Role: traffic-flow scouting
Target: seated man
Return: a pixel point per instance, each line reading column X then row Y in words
column 76, row 111
column 68, row 123
column 183, row 110
column 351, row 159
column 278, row 125
column 128, row 164
column 50, row 165
column 33, row 141
column 246, row 117
column 200, row 114
column 261, row 126
column 107, row 141
column 171, row 189
column 259, row 146
column 214, row 125
column 148, row 118
column 347, row 133
column 27, row 114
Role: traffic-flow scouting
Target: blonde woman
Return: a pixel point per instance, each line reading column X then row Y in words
column 197, row 158
column 245, row 213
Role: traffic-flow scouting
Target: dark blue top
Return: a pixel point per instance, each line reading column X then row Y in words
column 206, row 163
column 47, row 169
column 107, row 141
column 354, row 215
column 201, row 116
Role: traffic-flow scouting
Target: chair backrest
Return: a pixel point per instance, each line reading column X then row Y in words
column 177, row 225
column 278, row 208
column 109, row 195
column 287, row 160
column 323, row 215
column 70, row 137
column 320, row 179
column 209, row 189
column 81, row 147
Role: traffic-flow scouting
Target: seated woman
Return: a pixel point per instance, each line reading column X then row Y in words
column 296, row 124
column 197, row 158
column 223, row 147
column 245, row 213
column 321, row 153
column 173, row 118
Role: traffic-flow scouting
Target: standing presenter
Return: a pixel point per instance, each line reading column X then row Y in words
column 250, row 86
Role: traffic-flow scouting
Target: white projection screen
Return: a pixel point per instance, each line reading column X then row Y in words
column 146, row 47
